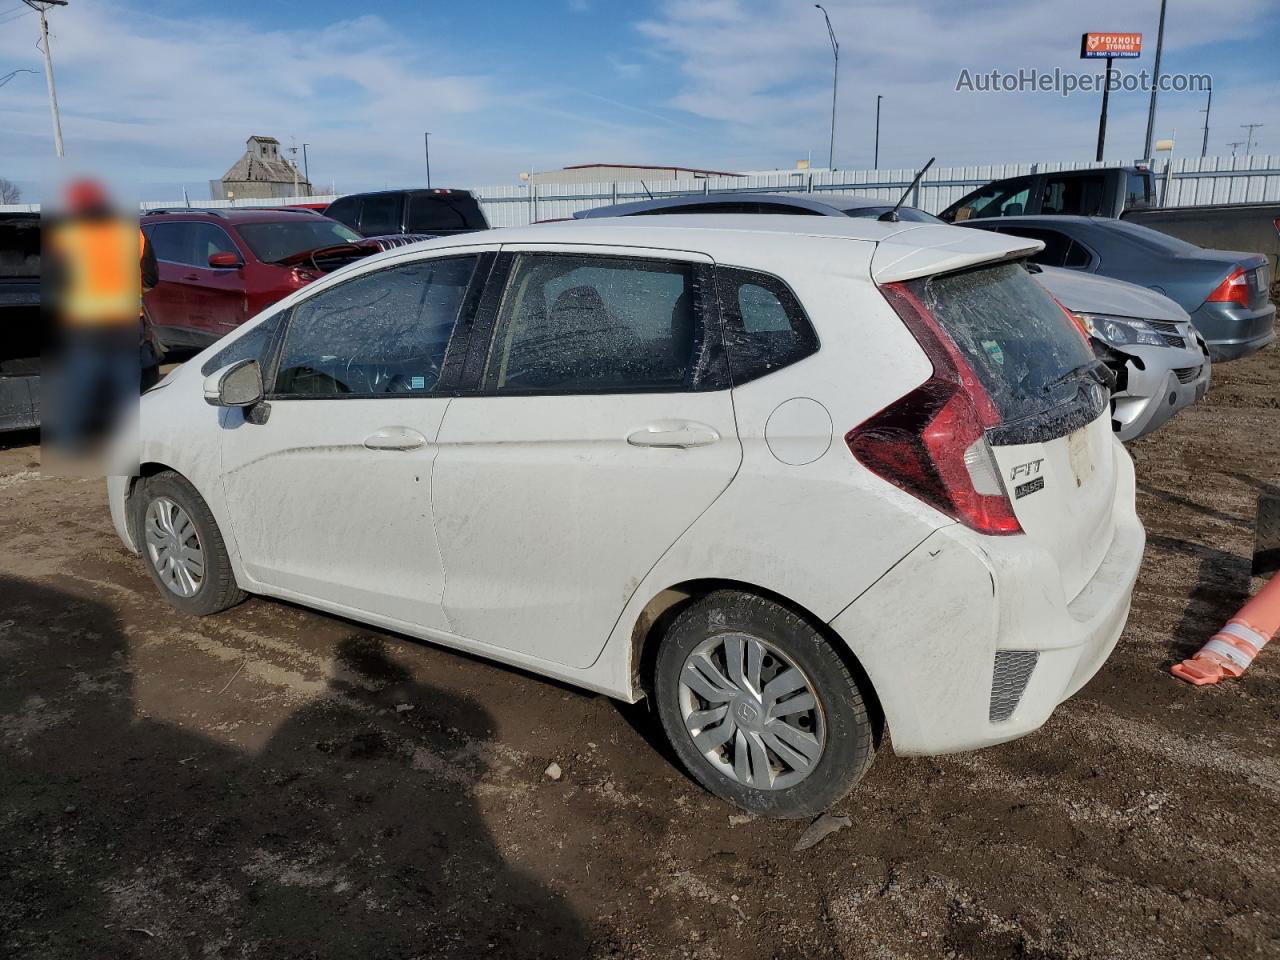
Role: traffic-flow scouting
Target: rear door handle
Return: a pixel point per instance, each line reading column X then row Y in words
column 395, row 438
column 673, row 434
column 191, row 276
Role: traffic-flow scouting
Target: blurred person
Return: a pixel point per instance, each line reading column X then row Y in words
column 96, row 266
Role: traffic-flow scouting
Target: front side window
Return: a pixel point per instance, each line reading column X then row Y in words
column 1075, row 195
column 382, row 333
column 764, row 326
column 572, row 324
column 999, row 199
column 208, row 239
column 252, row 345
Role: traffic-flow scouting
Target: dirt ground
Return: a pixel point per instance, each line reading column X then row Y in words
column 277, row 783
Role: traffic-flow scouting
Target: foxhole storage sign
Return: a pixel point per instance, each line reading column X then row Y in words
column 1110, row 45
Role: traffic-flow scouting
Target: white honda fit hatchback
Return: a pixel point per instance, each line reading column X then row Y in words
column 793, row 478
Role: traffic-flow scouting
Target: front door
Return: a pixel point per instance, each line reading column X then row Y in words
column 330, row 498
column 601, row 428
column 215, row 295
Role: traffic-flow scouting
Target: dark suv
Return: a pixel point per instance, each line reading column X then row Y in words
column 432, row 213
column 218, row 268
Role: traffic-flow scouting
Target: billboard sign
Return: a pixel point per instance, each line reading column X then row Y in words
column 1098, row 45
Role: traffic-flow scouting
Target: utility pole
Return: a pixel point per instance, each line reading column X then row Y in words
column 1155, row 85
column 306, row 168
column 835, row 84
column 1249, row 143
column 1102, row 118
column 426, row 149
column 41, row 7
column 876, row 164
column 1204, row 146
column 1233, row 144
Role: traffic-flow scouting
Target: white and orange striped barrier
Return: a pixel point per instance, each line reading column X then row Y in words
column 1230, row 651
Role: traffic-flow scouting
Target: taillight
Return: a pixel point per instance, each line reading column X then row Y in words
column 932, row 442
column 1234, row 289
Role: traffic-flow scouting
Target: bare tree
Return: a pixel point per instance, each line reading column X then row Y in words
column 9, row 192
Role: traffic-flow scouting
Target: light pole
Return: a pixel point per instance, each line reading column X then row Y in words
column 1155, row 85
column 876, row 163
column 42, row 7
column 426, row 149
column 835, row 84
column 306, row 168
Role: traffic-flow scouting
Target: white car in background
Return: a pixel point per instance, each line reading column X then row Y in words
column 791, row 477
column 1161, row 362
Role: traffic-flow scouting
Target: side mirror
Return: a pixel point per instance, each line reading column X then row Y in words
column 237, row 385
column 225, row 260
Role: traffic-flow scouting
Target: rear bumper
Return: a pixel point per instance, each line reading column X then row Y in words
column 1233, row 331
column 1159, row 382
column 933, row 664
column 19, row 402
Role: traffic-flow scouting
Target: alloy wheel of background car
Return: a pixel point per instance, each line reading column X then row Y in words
column 751, row 711
column 760, row 707
column 182, row 547
column 174, row 547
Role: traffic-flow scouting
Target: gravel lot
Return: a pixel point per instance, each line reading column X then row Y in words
column 277, row 783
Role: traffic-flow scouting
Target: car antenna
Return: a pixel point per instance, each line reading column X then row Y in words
column 891, row 216
column 646, row 189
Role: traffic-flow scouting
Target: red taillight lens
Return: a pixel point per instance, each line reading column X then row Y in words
column 1234, row 289
column 932, row 442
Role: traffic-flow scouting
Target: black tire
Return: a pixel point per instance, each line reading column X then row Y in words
column 217, row 590
column 849, row 736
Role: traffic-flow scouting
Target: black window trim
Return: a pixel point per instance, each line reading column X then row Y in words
column 475, row 286
column 473, row 381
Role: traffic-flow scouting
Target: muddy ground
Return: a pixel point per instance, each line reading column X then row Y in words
column 277, row 783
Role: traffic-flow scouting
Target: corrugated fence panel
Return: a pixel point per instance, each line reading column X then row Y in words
column 1195, row 181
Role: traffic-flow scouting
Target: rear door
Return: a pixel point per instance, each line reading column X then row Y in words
column 215, row 295
column 1055, row 449
column 598, row 427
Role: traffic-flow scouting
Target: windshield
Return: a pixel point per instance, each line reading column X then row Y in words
column 908, row 214
column 274, row 241
column 1027, row 353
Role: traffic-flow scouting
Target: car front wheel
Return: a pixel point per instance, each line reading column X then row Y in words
column 760, row 708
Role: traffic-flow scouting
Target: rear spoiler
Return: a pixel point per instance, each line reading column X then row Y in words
column 929, row 249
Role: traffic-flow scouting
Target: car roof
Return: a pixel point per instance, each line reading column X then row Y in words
column 442, row 191
column 232, row 214
column 903, row 249
column 829, row 205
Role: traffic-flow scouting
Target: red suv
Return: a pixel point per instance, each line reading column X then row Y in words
column 218, row 268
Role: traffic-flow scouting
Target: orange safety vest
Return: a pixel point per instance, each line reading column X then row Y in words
column 103, row 285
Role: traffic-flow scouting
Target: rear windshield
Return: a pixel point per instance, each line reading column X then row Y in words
column 271, row 242
column 1024, row 349
column 436, row 212
column 905, row 214
column 20, row 247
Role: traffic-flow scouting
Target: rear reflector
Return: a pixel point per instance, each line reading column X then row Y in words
column 932, row 442
column 1234, row 289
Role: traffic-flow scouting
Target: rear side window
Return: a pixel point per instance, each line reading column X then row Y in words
column 583, row 324
column 1018, row 340
column 380, row 214
column 1079, row 195
column 764, row 326
column 1138, row 191
column 436, row 212
column 383, row 333
column 172, row 241
column 1059, row 249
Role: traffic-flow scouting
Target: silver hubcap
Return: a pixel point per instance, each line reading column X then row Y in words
column 751, row 712
column 174, row 547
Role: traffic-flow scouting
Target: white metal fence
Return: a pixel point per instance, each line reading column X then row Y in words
column 1193, row 181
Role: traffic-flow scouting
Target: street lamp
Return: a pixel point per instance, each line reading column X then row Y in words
column 876, row 162
column 835, row 84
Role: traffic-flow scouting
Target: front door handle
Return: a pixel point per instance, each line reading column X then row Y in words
column 395, row 438
column 191, row 276
column 673, row 434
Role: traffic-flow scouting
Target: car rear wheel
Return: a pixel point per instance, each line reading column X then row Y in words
column 182, row 547
column 760, row 708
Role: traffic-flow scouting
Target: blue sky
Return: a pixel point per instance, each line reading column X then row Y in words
column 163, row 95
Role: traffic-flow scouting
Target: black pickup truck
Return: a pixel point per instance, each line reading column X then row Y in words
column 20, row 342
column 1128, row 193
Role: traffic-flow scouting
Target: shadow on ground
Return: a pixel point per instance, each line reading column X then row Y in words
column 127, row 837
